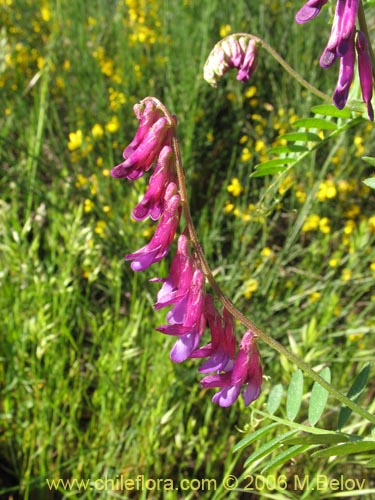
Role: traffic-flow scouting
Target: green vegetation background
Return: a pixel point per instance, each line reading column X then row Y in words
column 87, row 387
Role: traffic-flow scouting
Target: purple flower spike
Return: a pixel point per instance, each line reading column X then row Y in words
column 246, row 370
column 190, row 322
column 346, row 75
column 235, row 51
column 222, row 348
column 176, row 286
column 365, row 72
column 310, row 10
column 164, row 234
column 142, row 158
column 153, row 200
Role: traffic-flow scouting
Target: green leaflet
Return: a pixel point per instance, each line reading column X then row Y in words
column 331, row 110
column 317, row 123
column 318, row 398
column 354, row 393
column 274, row 398
column 294, row 395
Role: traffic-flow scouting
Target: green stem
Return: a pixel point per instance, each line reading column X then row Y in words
column 226, row 302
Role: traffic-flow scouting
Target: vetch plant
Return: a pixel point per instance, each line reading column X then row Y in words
column 231, row 366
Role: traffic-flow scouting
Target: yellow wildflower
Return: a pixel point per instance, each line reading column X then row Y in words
column 349, row 227
column 113, row 125
column 267, row 252
column 314, row 297
column 210, row 136
column 97, row 131
column 225, row 30
column 251, row 286
column 229, row 207
column 324, row 225
column 81, row 181
column 327, row 190
column 311, row 223
column 75, row 140
column 88, row 205
column 100, row 228
column 333, row 262
column 352, row 211
column 250, row 92
column 45, row 14
column 246, row 155
column 346, row 274
column 235, row 187
column 286, row 183
column 301, row 195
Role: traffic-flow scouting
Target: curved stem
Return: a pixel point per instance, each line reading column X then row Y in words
column 285, row 65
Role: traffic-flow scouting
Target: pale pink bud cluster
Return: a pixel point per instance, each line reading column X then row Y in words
column 343, row 43
column 235, row 51
column 183, row 290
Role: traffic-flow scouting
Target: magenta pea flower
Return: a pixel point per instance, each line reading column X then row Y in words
column 222, row 348
column 365, row 72
column 246, row 370
column 310, row 10
column 164, row 234
column 176, row 286
column 235, row 51
column 346, row 75
column 142, row 156
column 187, row 320
column 152, row 202
column 147, row 114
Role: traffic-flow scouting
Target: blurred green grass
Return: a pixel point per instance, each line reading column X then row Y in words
column 87, row 388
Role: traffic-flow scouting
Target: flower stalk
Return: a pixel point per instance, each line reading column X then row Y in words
column 225, row 301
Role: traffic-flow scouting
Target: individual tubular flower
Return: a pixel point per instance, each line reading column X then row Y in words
column 342, row 32
column 346, row 74
column 310, row 10
column 187, row 320
column 176, row 286
column 153, row 201
column 246, row 370
column 141, row 154
column 365, row 72
column 235, row 51
column 164, row 234
column 222, row 348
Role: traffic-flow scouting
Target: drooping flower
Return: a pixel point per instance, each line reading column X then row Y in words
column 346, row 75
column 222, row 348
column 235, row 51
column 310, row 10
column 164, row 234
column 365, row 72
column 246, row 370
column 142, row 158
column 153, row 201
column 342, row 30
column 187, row 320
column 176, row 286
